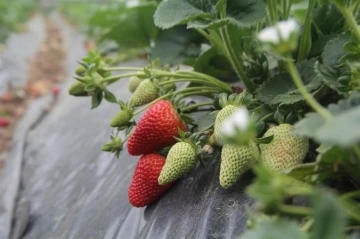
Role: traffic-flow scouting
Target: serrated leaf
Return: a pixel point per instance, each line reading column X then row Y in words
column 175, row 12
column 330, row 79
column 281, row 90
column 96, row 99
column 240, row 12
column 334, row 50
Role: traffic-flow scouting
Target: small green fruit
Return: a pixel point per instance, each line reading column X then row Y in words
column 134, row 83
column 80, row 70
column 78, row 89
column 121, row 119
column 285, row 150
column 180, row 160
column 235, row 161
column 226, row 112
column 144, row 94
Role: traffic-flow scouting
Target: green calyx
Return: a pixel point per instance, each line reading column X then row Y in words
column 115, row 145
column 242, row 99
column 285, row 150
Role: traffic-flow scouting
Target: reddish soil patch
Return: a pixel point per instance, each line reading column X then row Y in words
column 46, row 71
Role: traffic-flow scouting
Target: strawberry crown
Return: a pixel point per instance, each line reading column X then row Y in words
column 235, row 99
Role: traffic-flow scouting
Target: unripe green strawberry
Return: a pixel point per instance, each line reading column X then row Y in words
column 134, row 83
column 144, row 94
column 235, row 161
column 285, row 150
column 121, row 119
column 179, row 161
column 221, row 116
column 78, row 89
column 80, row 70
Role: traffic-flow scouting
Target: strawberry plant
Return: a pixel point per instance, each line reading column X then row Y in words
column 278, row 81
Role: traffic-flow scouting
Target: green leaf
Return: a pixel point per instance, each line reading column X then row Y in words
column 110, row 97
column 206, row 121
column 211, row 63
column 175, row 12
column 338, row 130
column 264, row 140
column 221, row 5
column 328, row 215
column 176, row 45
column 309, row 125
column 245, row 13
column 334, row 50
column 330, row 77
column 276, row 228
column 240, row 12
column 134, row 28
column 328, row 19
column 96, row 99
column 270, row 188
column 280, row 90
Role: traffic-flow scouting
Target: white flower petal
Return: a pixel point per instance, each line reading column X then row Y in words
column 227, row 128
column 286, row 28
column 269, row 34
column 241, row 118
column 237, row 121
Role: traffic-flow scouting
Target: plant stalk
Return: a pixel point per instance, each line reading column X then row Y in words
column 307, row 96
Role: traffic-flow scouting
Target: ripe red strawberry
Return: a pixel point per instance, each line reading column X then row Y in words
column 156, row 129
column 144, row 188
column 4, row 122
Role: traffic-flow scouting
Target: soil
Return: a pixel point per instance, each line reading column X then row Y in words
column 45, row 72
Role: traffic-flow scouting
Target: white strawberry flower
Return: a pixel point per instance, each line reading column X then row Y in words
column 239, row 121
column 280, row 38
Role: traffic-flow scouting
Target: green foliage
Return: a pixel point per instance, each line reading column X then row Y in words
column 14, row 15
column 202, row 14
column 340, row 129
column 281, row 90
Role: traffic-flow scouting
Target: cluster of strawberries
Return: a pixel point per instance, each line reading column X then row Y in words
column 157, row 129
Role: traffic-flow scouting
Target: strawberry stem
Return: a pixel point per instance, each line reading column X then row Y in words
column 190, row 76
column 195, row 106
column 188, row 91
column 123, row 68
column 295, row 210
